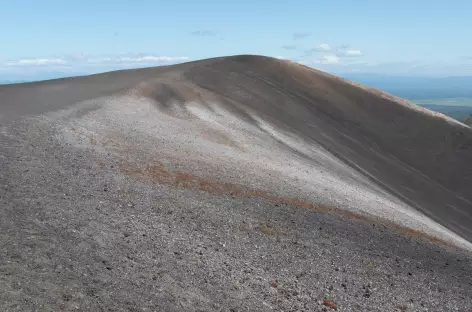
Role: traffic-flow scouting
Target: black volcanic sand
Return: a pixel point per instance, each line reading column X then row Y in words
column 78, row 234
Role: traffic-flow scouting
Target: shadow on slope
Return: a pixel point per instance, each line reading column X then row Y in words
column 420, row 156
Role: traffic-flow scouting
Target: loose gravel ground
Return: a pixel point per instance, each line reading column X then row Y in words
column 79, row 234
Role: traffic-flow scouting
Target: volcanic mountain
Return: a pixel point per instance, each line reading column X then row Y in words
column 241, row 182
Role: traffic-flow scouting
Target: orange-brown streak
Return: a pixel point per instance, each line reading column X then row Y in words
column 157, row 173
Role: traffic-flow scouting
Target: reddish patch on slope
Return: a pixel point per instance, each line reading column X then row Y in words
column 330, row 304
column 157, row 173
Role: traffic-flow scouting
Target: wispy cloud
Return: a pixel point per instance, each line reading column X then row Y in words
column 324, row 47
column 91, row 63
column 204, row 33
column 300, row 35
column 289, row 47
column 353, row 53
column 325, row 60
column 333, row 59
column 346, row 51
column 329, row 59
column 153, row 58
column 340, row 51
column 36, row 62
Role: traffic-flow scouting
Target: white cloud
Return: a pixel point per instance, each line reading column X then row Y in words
column 325, row 60
column 340, row 51
column 153, row 58
column 80, row 59
column 324, row 47
column 85, row 64
column 330, row 59
column 344, row 51
column 36, row 62
column 353, row 53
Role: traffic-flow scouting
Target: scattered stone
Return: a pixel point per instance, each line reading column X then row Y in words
column 299, row 275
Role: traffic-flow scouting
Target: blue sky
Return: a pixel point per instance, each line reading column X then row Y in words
column 398, row 37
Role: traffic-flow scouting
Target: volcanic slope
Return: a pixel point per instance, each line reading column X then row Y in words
column 157, row 174
column 468, row 121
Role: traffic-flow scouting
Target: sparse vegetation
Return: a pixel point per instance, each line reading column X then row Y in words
column 458, row 108
column 267, row 229
column 330, row 304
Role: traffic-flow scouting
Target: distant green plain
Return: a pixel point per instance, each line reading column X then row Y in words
column 458, row 108
column 446, row 102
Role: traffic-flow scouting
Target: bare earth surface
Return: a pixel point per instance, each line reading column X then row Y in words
column 233, row 184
